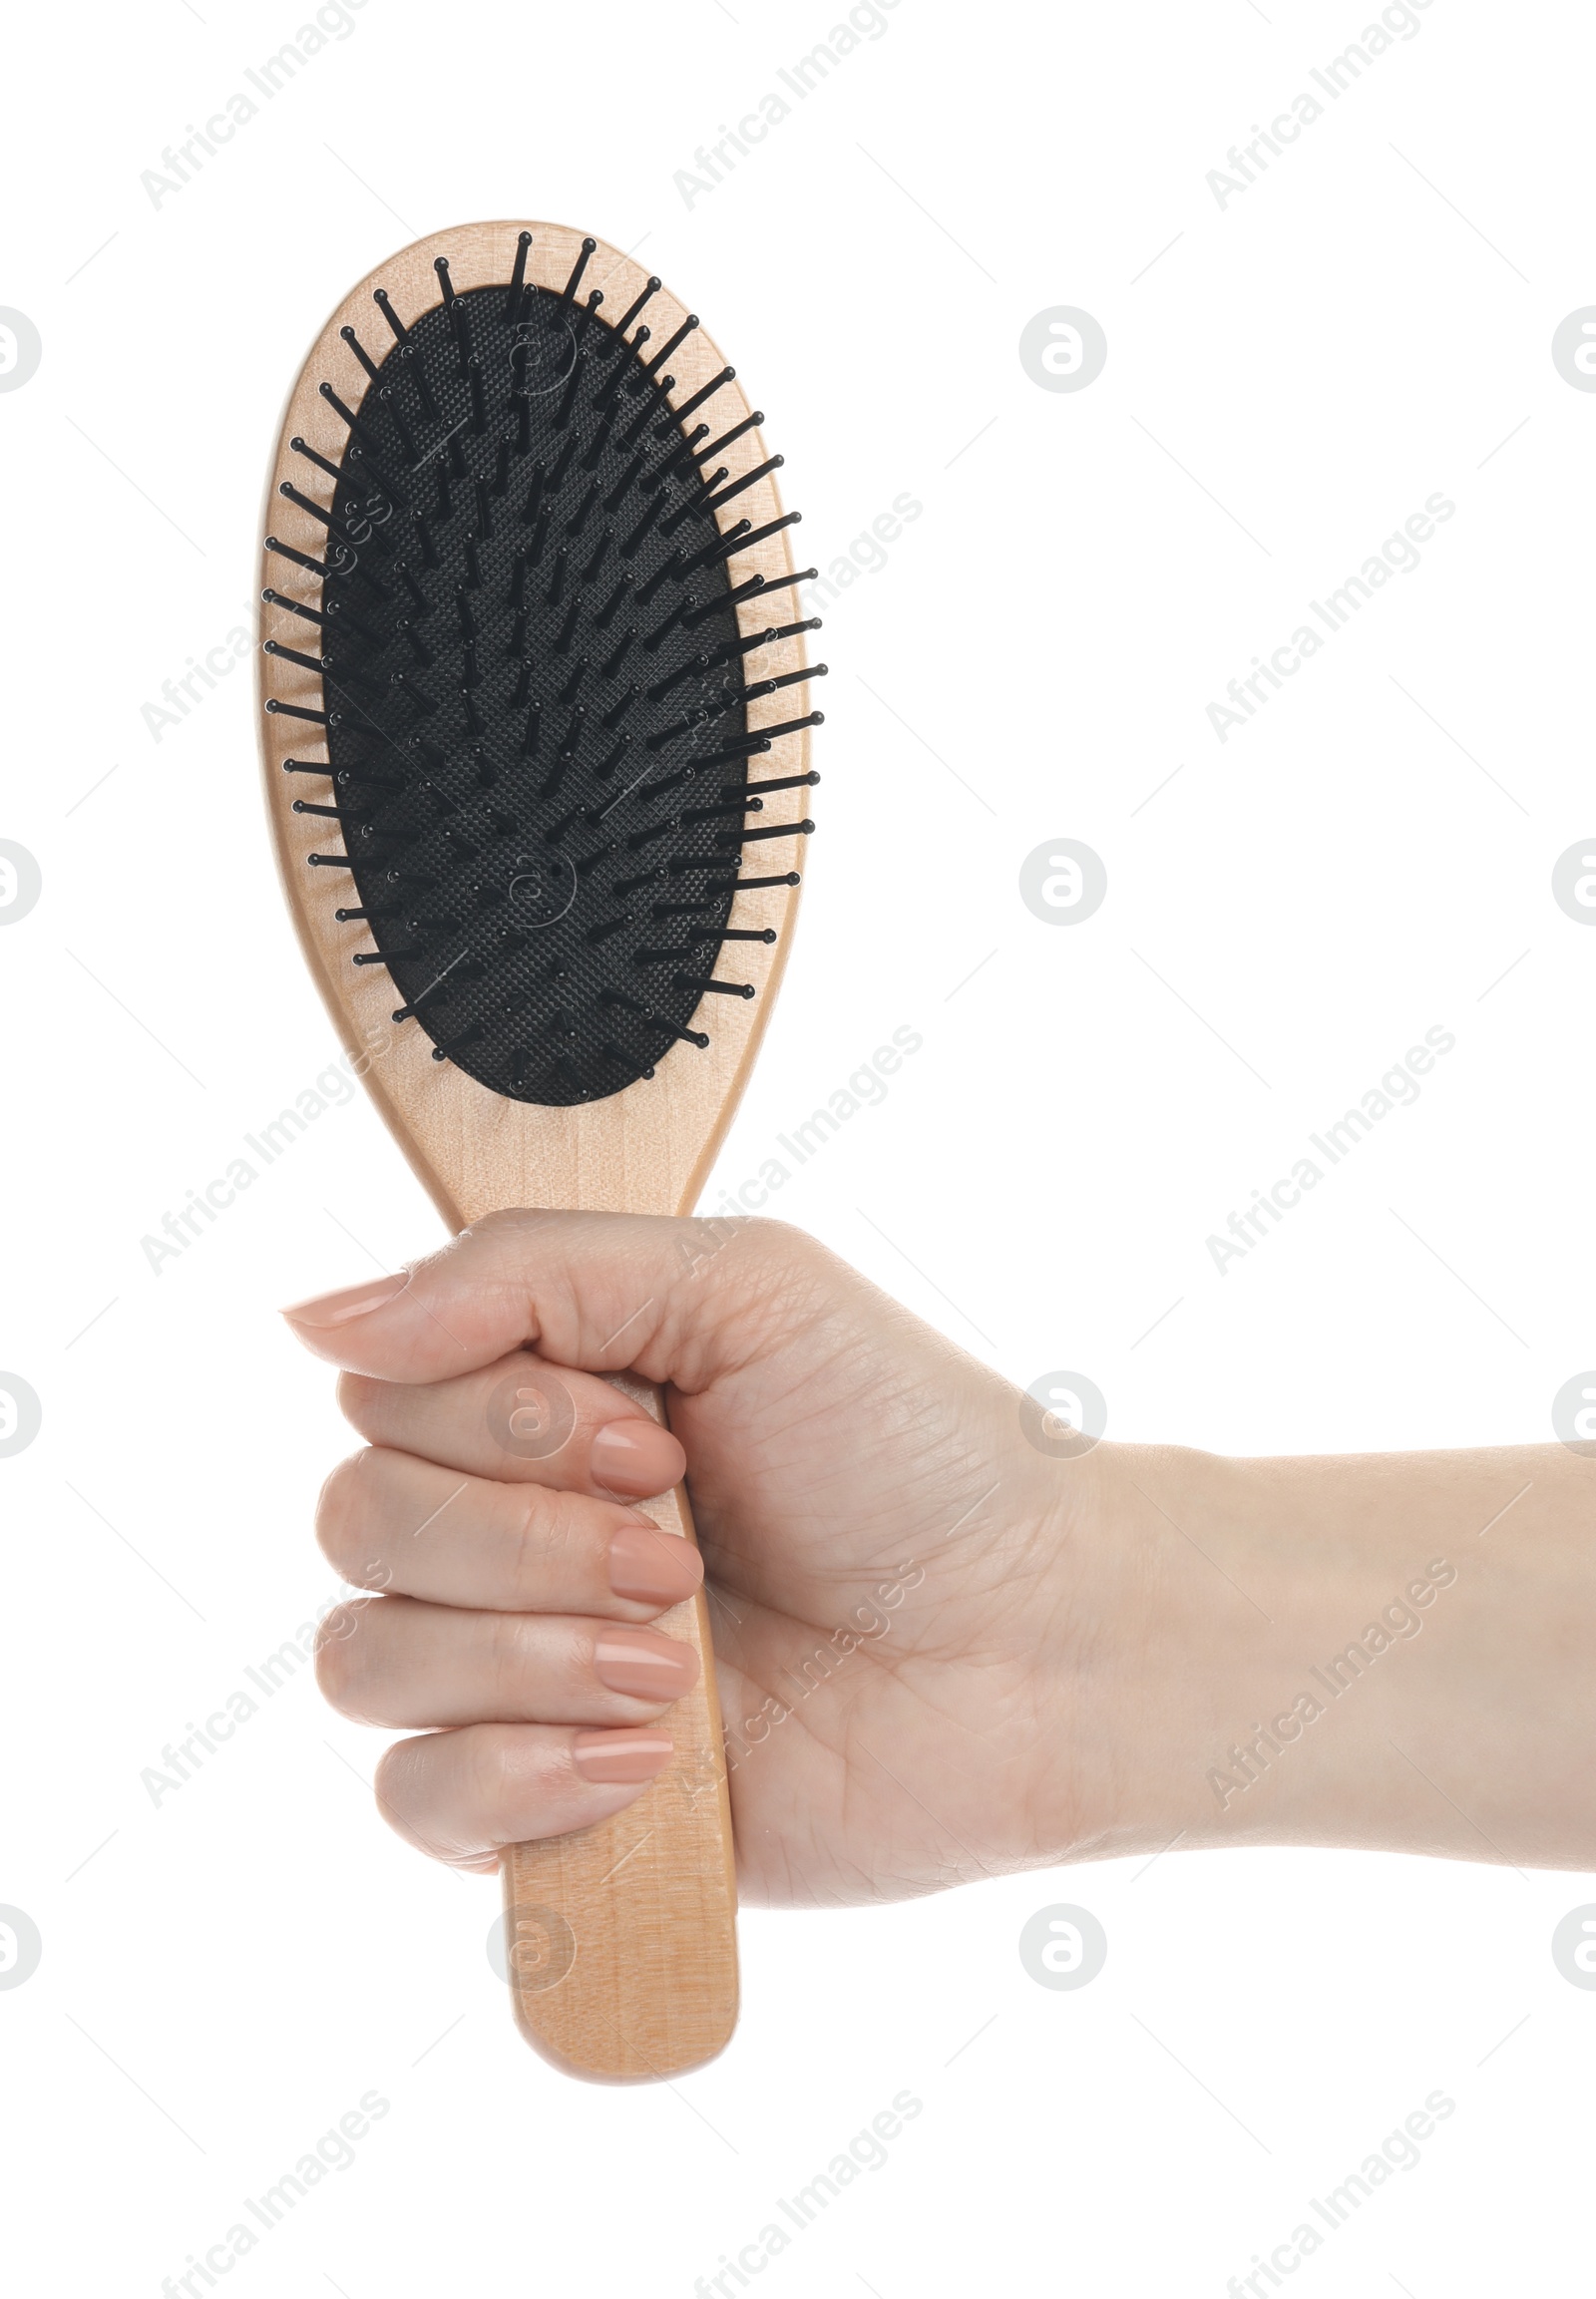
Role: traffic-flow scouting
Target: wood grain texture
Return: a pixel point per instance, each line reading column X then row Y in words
column 622, row 1937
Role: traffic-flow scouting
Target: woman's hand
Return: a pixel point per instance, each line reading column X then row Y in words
column 888, row 1562
column 948, row 1642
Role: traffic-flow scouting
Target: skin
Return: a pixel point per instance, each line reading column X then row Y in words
column 1036, row 1654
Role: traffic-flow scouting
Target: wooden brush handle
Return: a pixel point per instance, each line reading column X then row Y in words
column 622, row 1938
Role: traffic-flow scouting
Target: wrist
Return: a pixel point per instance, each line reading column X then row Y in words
column 1380, row 1652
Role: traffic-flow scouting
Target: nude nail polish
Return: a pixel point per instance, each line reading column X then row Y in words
column 617, row 1758
column 648, row 1667
column 336, row 1308
column 652, row 1567
column 636, row 1457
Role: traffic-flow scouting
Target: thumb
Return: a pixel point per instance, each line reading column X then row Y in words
column 675, row 1300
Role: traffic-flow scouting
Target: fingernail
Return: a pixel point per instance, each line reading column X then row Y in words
column 352, row 1302
column 652, row 1567
column 636, row 1458
column 649, row 1667
column 620, row 1758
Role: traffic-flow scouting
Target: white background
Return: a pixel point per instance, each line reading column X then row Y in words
column 1288, row 378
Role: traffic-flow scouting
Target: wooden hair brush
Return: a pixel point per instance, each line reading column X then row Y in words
column 530, row 621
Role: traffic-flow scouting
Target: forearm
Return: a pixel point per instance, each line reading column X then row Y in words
column 1390, row 1652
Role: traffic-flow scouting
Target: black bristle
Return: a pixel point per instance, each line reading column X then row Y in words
column 778, row 830
column 513, row 292
column 352, row 339
column 693, row 505
column 693, row 405
column 738, row 486
column 389, row 399
column 663, row 353
column 737, row 431
column 579, row 518
column 563, row 460
column 295, row 710
column 650, row 287
column 574, row 281
column 606, row 614
column 596, row 557
column 678, row 465
column 622, row 487
column 363, row 465
column 418, row 376
column 293, row 605
column 299, row 447
column 535, row 836
column 640, row 422
column 380, row 298
column 292, row 654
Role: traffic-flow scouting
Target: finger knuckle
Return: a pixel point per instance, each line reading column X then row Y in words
column 510, row 1666
column 529, row 1546
column 400, row 1782
column 343, row 1652
column 339, row 1514
column 357, row 1393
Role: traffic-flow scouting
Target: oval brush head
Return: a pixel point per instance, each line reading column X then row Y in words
column 534, row 734
column 535, row 686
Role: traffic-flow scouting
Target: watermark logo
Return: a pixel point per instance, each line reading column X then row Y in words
column 181, row 695
column 1574, row 348
column 1574, row 1947
column 1063, row 881
column 532, row 1949
column 21, row 881
column 21, row 1414
column 531, row 1414
column 713, row 163
column 1063, row 348
column 1398, row 1088
column 543, row 888
column 1400, row 2151
column 1399, row 1621
column 542, row 351
column 20, row 350
column 1063, row 1947
column 1063, row 1415
column 1574, row 1415
column 1574, row 882
column 866, row 554
column 21, row 1946
column 1400, row 554
column 1246, row 163
column 181, row 163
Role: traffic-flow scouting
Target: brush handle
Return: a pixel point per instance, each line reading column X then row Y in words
column 623, row 1939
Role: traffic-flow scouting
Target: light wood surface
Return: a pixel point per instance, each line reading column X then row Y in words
column 637, row 1914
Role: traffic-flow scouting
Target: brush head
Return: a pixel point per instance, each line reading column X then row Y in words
column 546, row 785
